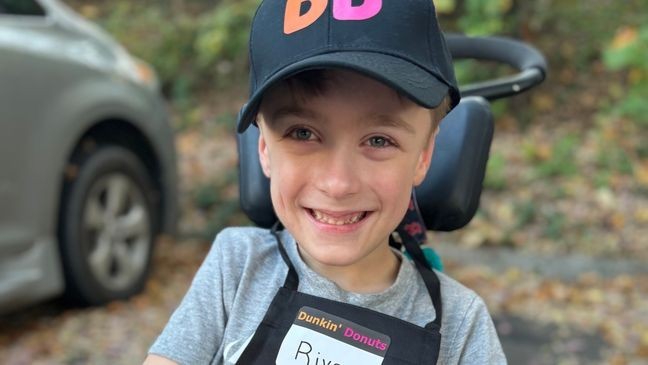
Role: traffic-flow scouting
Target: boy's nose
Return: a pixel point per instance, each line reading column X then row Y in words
column 339, row 176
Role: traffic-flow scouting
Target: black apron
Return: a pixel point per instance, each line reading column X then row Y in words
column 407, row 342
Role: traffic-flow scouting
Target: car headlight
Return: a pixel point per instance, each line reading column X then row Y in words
column 137, row 70
column 145, row 74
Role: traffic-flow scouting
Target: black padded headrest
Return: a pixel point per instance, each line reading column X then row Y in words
column 448, row 197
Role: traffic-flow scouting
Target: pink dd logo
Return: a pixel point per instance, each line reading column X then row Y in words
column 342, row 10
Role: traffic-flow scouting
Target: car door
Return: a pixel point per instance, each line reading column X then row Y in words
column 25, row 39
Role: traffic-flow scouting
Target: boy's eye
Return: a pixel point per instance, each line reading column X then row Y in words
column 379, row 142
column 301, row 134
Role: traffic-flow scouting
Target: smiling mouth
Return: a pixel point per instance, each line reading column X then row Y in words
column 337, row 219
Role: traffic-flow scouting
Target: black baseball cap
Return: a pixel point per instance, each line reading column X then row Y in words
column 397, row 42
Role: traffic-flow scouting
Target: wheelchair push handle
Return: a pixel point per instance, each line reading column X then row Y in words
column 521, row 56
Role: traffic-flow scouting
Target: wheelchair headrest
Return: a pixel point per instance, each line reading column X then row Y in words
column 449, row 195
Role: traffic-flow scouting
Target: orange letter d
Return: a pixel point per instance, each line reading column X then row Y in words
column 294, row 20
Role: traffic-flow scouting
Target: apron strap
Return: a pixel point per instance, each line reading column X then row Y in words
column 292, row 279
column 429, row 278
column 412, row 233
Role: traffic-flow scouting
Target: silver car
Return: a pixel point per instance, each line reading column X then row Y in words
column 87, row 160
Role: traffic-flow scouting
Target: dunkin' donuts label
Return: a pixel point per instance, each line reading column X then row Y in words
column 320, row 338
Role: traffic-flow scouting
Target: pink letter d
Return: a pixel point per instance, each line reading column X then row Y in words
column 344, row 9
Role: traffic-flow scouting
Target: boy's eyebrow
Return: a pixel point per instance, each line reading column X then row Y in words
column 390, row 121
column 293, row 110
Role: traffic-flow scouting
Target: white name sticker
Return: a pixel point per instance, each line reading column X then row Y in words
column 319, row 338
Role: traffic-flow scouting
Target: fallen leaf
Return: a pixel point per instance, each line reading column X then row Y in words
column 624, row 36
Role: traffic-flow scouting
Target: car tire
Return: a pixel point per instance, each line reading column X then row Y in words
column 106, row 225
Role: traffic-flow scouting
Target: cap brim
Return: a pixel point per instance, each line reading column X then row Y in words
column 422, row 86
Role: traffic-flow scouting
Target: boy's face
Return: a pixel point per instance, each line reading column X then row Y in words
column 342, row 165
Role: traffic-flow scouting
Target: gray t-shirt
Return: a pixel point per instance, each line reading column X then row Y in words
column 241, row 274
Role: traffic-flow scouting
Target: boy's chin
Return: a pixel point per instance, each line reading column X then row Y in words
column 330, row 256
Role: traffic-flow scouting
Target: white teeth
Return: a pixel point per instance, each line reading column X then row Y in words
column 322, row 217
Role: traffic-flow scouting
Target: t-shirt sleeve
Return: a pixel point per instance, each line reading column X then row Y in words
column 195, row 330
column 476, row 341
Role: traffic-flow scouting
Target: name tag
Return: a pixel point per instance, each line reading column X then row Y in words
column 319, row 338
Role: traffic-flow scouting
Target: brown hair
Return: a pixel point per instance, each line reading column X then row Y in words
column 440, row 112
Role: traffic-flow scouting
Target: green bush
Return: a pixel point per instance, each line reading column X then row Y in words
column 495, row 178
column 219, row 203
column 189, row 50
column 561, row 161
column 629, row 52
column 555, row 224
column 525, row 213
column 485, row 17
column 223, row 33
column 158, row 36
column 475, row 17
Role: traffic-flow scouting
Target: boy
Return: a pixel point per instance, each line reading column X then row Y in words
column 347, row 99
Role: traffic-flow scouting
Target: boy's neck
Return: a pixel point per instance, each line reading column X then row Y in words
column 374, row 274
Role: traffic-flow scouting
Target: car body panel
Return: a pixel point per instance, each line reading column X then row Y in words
column 42, row 120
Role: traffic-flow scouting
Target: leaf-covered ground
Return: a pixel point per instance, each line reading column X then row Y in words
column 119, row 333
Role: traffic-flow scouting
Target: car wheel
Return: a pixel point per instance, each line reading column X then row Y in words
column 106, row 226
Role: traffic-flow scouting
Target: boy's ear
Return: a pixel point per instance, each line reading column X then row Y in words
column 264, row 159
column 425, row 158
